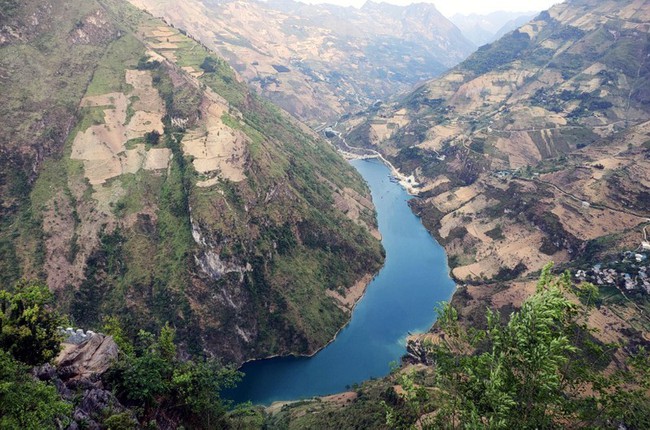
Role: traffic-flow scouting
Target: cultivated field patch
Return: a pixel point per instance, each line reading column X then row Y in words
column 103, row 147
column 217, row 149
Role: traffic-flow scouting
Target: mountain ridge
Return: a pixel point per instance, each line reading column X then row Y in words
column 486, row 28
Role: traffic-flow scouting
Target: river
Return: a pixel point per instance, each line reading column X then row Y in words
column 401, row 299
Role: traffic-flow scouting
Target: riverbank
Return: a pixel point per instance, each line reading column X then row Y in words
column 409, row 183
column 339, row 399
column 348, row 303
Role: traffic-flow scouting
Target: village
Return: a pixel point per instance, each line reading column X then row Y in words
column 630, row 273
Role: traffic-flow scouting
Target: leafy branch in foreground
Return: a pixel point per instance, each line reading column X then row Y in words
column 541, row 369
column 28, row 326
column 27, row 403
column 28, row 337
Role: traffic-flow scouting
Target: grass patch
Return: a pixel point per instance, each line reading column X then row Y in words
column 109, row 76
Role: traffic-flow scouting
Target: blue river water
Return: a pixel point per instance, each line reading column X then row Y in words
column 401, row 299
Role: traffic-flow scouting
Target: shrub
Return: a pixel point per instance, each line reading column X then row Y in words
column 28, row 327
column 209, row 65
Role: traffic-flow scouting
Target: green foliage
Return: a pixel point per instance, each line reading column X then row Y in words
column 26, row 403
column 499, row 53
column 415, row 399
column 197, row 384
column 209, row 65
column 113, row 327
column 153, row 380
column 166, row 342
column 145, row 63
column 496, row 233
column 28, row 327
column 143, row 380
column 7, row 8
column 104, row 268
column 9, row 263
column 477, row 145
column 121, row 421
column 528, row 372
column 548, row 247
column 109, row 75
column 507, row 274
column 152, row 138
column 28, row 336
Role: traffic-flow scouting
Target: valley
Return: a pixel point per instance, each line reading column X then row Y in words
column 493, row 133
column 399, row 300
column 350, row 203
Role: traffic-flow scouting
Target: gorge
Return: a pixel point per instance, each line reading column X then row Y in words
column 173, row 177
column 399, row 301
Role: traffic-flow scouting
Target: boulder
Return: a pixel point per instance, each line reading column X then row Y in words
column 90, row 358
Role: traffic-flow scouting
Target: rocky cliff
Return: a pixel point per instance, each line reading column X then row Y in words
column 77, row 375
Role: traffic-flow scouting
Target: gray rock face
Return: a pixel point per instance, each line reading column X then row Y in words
column 77, row 377
column 416, row 352
column 94, row 403
column 91, row 357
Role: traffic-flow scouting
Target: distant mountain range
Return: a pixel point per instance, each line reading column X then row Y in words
column 482, row 29
column 321, row 61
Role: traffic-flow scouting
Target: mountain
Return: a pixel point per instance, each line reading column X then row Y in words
column 482, row 29
column 533, row 149
column 142, row 179
column 322, row 61
column 511, row 25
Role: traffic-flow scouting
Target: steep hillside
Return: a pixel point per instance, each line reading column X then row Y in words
column 142, row 179
column 322, row 61
column 535, row 148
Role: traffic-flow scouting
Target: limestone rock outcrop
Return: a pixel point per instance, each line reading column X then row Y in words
column 91, row 357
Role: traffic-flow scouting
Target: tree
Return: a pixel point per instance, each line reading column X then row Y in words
column 209, row 65
column 153, row 379
column 146, row 63
column 112, row 327
column 536, row 370
column 166, row 342
column 197, row 386
column 26, row 403
column 142, row 378
column 153, row 137
column 28, row 326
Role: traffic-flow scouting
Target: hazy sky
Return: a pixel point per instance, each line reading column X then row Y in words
column 451, row 7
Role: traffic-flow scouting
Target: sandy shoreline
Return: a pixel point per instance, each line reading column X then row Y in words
column 407, row 182
column 339, row 398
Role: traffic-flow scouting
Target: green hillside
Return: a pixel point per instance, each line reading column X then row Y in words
column 142, row 179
